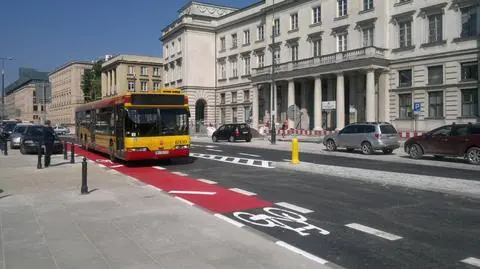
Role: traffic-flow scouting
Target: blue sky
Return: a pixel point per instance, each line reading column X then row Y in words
column 44, row 34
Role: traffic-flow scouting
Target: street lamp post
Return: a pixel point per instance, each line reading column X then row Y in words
column 273, row 88
column 3, row 59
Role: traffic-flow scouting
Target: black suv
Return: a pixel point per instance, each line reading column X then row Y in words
column 233, row 132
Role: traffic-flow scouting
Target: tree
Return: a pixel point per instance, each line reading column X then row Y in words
column 92, row 82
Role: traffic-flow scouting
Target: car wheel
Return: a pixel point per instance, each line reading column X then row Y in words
column 214, row 138
column 415, row 151
column 248, row 139
column 231, row 139
column 331, row 145
column 387, row 151
column 367, row 148
column 473, row 155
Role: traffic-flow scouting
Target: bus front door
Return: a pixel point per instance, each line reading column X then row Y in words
column 119, row 129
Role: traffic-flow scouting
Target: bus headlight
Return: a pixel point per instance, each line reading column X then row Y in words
column 137, row 149
column 182, row 146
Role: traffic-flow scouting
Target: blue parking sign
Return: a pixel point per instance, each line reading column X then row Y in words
column 417, row 106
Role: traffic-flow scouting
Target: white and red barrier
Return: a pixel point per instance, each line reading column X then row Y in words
column 323, row 132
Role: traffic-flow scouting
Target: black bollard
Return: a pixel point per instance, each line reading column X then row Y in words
column 5, row 146
column 65, row 152
column 84, row 189
column 39, row 159
column 72, row 153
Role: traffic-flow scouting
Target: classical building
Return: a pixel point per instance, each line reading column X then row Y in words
column 132, row 73
column 24, row 98
column 66, row 84
column 413, row 63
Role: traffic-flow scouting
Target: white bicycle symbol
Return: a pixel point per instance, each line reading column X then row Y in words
column 277, row 218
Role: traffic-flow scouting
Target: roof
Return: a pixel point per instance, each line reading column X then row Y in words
column 26, row 76
column 128, row 58
column 70, row 64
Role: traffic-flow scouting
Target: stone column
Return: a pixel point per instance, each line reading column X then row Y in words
column 370, row 96
column 104, row 83
column 317, row 104
column 340, row 102
column 291, row 100
column 384, row 98
column 255, row 107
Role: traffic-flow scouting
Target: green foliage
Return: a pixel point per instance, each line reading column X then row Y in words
column 92, row 82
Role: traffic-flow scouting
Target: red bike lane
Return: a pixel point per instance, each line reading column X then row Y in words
column 212, row 197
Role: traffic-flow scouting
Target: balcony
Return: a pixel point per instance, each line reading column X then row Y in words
column 341, row 60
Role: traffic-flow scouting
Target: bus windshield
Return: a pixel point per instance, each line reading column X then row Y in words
column 156, row 122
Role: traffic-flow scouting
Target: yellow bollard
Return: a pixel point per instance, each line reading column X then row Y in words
column 295, row 159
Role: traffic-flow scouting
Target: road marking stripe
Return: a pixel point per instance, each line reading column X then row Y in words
column 244, row 192
column 251, row 155
column 153, row 188
column 287, row 160
column 116, row 166
column 210, row 146
column 207, row 181
column 472, row 261
column 229, row 220
column 216, row 150
column 294, row 207
column 159, row 167
column 180, row 174
column 101, row 165
column 250, row 162
column 183, row 200
column 194, row 192
column 373, row 231
column 301, row 252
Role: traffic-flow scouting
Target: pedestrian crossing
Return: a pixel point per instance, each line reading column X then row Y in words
column 235, row 160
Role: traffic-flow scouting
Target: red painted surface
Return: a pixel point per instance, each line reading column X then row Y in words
column 223, row 201
column 150, row 155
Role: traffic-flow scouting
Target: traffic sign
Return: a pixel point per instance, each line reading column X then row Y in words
column 417, row 106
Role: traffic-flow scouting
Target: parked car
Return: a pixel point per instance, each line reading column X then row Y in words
column 455, row 140
column 61, row 130
column 233, row 132
column 35, row 135
column 17, row 134
column 366, row 136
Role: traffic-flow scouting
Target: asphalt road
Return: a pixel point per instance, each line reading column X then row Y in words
column 436, row 230
column 278, row 156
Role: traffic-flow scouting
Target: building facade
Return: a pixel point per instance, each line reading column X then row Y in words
column 410, row 62
column 26, row 98
column 66, row 84
column 131, row 73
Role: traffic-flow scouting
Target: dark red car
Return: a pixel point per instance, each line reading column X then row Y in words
column 456, row 140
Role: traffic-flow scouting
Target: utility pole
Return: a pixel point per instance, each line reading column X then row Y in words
column 3, row 59
column 273, row 88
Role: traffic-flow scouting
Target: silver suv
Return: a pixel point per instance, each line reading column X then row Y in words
column 366, row 136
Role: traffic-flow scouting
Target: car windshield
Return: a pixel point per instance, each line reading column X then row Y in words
column 19, row 129
column 35, row 131
column 9, row 127
column 156, row 122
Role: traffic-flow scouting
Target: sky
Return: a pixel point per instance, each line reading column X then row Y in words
column 45, row 34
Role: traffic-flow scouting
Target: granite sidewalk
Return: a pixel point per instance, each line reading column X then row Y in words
column 122, row 223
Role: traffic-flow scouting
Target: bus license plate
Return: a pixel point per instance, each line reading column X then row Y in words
column 161, row 152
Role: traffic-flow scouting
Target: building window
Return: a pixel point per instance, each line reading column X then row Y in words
column 317, row 15
column 294, row 52
column 233, row 65
column 435, row 28
column 435, row 104
column 179, row 47
column 234, row 97
column 144, row 86
column 341, row 8
column 276, row 56
column 435, row 74
column 368, row 36
column 260, row 32
column 317, row 49
column 223, row 44
column 405, row 78
column 223, row 115
column 276, row 27
column 469, row 71
column 144, row 71
column 234, row 41
column 404, row 105
column 130, row 70
column 405, row 34
column 246, row 37
column 222, row 98
column 261, row 60
column 246, row 96
column 470, row 103
column 294, row 21
column 173, row 48
column 246, row 65
column 156, row 85
column 234, row 115
column 469, row 21
column 223, row 71
column 156, row 71
column 341, row 42
column 131, row 86
column 247, row 113
column 367, row 4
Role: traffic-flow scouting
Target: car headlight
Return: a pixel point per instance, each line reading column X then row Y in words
column 16, row 139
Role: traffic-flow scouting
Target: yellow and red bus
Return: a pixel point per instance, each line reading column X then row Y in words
column 136, row 126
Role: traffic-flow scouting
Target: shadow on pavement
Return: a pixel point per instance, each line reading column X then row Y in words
column 442, row 159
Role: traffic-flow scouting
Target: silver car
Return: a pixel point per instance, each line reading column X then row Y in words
column 366, row 136
column 16, row 135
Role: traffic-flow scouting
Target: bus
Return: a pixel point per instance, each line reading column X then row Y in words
column 136, row 126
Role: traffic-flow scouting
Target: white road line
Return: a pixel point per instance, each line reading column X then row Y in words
column 180, row 174
column 251, row 155
column 244, row 192
column 294, row 207
column 194, row 192
column 472, row 261
column 210, row 146
column 286, row 160
column 216, row 150
column 250, row 162
column 183, row 200
column 159, row 167
column 207, row 181
column 101, row 165
column 301, row 252
column 116, row 166
column 373, row 231
column 153, row 188
column 229, row 220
